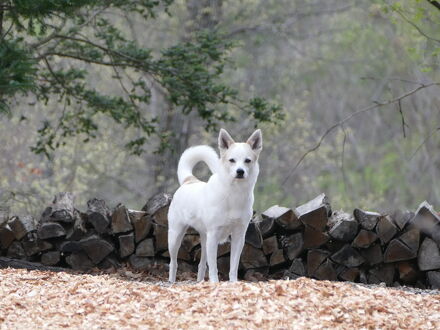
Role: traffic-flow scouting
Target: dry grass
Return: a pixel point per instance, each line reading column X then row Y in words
column 39, row 299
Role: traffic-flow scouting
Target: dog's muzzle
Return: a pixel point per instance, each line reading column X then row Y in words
column 240, row 174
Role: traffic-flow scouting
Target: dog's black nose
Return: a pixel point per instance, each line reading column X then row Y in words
column 240, row 173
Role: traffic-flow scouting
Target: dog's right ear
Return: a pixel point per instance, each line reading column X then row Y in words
column 224, row 140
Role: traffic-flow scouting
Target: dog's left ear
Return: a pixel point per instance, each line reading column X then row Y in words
column 256, row 141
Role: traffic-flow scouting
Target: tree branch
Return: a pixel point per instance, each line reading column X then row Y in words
column 436, row 4
column 346, row 119
column 406, row 19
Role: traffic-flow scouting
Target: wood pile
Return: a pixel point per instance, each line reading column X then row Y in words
column 400, row 248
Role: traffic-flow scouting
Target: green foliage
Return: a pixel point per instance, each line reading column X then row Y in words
column 58, row 38
column 16, row 71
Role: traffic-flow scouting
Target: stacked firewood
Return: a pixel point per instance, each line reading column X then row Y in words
column 98, row 237
column 401, row 248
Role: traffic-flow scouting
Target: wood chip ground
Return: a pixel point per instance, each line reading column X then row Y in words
column 39, row 299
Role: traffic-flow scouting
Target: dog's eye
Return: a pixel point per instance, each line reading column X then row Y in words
column 232, row 160
column 247, row 160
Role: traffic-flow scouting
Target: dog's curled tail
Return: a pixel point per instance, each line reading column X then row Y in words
column 192, row 156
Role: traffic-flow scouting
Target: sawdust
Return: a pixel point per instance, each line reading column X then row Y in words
column 40, row 299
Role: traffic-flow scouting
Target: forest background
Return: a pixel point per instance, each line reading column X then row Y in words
column 100, row 98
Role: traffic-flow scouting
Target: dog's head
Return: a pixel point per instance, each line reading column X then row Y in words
column 240, row 160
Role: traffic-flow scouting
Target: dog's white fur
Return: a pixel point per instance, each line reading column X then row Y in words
column 217, row 209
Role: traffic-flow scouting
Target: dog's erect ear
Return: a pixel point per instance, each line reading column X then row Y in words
column 256, row 141
column 224, row 140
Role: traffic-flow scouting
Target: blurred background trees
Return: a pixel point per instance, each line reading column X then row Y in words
column 101, row 97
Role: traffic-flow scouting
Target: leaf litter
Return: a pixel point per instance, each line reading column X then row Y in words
column 129, row 299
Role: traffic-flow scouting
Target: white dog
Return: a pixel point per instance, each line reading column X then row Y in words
column 219, row 208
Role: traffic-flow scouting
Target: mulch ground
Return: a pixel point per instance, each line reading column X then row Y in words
column 124, row 299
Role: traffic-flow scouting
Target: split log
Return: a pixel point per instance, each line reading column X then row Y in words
column 384, row 273
column 32, row 245
column 366, row 219
column 161, row 237
column 50, row 230
column 62, row 209
column 434, row 279
column 435, row 234
column 157, row 202
column 96, row 248
column 297, row 267
column 372, row 255
column 256, row 275
column 364, row 239
column 426, row 219
column 120, row 220
column 126, row 245
column 348, row 257
column 385, row 229
column 142, row 224
column 79, row 261
column 69, row 246
column 223, row 265
column 315, row 212
column 6, row 236
column 145, row 248
column 252, row 257
column 398, row 251
column 401, row 219
column 267, row 224
column 141, row 263
column 22, row 226
column 363, row 276
column 22, row 264
column 334, row 245
column 253, row 235
column 111, row 262
column 16, row 250
column 157, row 207
column 326, row 271
column 429, row 255
column 284, row 217
column 293, row 245
column 408, row 272
column 50, row 258
column 223, row 249
column 98, row 215
column 78, row 230
column 411, row 239
column 277, row 258
column 314, row 259
column 349, row 274
column 189, row 243
column 314, row 238
column 344, row 229
column 270, row 245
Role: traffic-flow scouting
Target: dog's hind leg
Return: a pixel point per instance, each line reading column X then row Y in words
column 202, row 264
column 175, row 236
column 211, row 255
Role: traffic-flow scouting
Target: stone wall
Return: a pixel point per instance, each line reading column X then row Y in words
column 401, row 248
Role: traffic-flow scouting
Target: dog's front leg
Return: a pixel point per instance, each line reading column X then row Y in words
column 211, row 254
column 237, row 243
